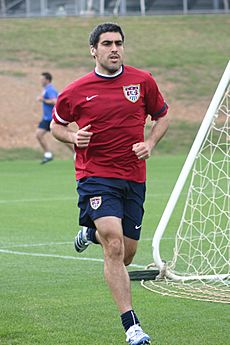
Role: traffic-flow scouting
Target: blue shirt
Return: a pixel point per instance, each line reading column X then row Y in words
column 49, row 92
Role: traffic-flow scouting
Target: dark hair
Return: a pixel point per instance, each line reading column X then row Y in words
column 47, row 75
column 101, row 29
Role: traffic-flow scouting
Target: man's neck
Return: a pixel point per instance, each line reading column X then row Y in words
column 115, row 74
column 47, row 84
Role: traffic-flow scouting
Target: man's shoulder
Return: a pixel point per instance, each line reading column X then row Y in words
column 50, row 87
column 79, row 83
column 130, row 70
column 50, row 90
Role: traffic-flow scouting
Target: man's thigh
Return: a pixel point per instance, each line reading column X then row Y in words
column 109, row 228
column 98, row 198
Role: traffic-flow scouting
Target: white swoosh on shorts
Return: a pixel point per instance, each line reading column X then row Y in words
column 137, row 227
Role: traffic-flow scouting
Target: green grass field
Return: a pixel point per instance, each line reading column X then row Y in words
column 51, row 295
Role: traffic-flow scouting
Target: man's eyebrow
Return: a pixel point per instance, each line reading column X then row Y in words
column 111, row 41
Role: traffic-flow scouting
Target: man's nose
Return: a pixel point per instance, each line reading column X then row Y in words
column 114, row 47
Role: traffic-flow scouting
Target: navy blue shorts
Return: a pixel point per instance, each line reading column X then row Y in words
column 44, row 124
column 101, row 197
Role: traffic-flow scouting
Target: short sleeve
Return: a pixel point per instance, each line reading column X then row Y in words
column 61, row 111
column 155, row 103
column 50, row 93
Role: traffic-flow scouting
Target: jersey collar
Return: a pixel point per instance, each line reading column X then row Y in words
column 119, row 72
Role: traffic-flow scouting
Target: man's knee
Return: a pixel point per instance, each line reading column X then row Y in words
column 111, row 236
column 39, row 133
column 114, row 248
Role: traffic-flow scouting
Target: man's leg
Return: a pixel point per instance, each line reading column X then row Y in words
column 130, row 250
column 40, row 135
column 110, row 235
column 103, row 220
column 87, row 236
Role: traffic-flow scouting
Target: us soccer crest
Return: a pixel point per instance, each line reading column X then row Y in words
column 132, row 92
column 95, row 202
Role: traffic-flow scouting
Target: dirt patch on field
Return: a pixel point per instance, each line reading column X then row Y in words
column 20, row 112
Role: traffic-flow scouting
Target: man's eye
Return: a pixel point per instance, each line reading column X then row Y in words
column 108, row 43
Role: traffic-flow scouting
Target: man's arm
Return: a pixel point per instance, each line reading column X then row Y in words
column 81, row 138
column 51, row 101
column 143, row 150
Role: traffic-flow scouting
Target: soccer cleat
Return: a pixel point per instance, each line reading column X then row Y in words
column 46, row 160
column 136, row 336
column 81, row 241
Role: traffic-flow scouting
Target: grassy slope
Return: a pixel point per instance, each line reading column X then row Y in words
column 189, row 51
column 47, row 300
column 188, row 54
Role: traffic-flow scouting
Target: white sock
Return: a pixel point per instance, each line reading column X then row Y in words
column 48, row 154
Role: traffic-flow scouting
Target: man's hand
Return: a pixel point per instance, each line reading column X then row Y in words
column 40, row 98
column 142, row 150
column 82, row 137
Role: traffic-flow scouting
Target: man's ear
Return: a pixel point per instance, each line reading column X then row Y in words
column 93, row 51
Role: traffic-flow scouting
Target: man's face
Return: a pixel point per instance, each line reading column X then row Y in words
column 109, row 52
column 44, row 81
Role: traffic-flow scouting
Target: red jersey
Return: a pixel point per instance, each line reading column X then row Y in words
column 116, row 107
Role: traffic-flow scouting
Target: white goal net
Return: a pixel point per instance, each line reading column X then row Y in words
column 200, row 266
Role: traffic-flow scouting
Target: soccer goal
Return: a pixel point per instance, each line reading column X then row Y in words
column 200, row 264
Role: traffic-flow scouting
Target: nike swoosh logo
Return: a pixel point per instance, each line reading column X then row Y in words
column 137, row 227
column 91, row 97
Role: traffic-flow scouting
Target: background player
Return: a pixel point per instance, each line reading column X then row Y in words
column 48, row 99
column 110, row 105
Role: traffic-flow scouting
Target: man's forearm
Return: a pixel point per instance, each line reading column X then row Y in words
column 158, row 131
column 81, row 137
column 143, row 149
column 62, row 133
column 49, row 101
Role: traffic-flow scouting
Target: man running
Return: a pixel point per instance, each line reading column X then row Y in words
column 110, row 106
column 48, row 98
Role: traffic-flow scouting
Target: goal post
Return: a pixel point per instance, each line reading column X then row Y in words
column 213, row 174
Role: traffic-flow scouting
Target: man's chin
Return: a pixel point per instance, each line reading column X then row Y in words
column 114, row 68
